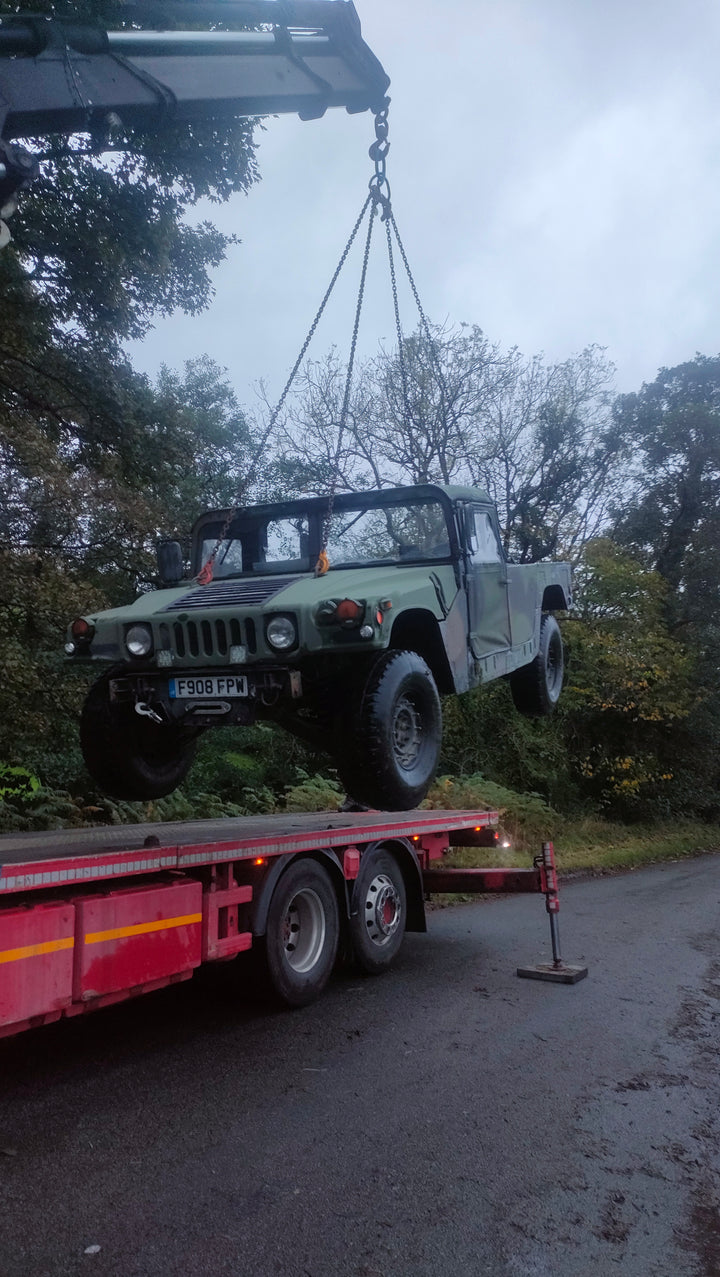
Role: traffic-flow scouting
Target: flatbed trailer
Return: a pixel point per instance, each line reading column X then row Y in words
column 90, row 917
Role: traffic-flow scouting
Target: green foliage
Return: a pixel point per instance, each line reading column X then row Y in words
column 525, row 818
column 629, row 683
column 674, row 520
column 105, row 241
column 483, row 733
column 17, row 783
column 314, row 793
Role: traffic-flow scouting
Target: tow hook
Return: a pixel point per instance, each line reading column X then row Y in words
column 141, row 707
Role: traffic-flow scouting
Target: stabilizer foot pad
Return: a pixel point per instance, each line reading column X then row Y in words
column 563, row 974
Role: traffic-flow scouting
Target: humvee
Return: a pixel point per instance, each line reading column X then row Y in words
column 352, row 652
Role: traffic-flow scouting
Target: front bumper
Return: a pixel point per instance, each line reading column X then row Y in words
column 201, row 707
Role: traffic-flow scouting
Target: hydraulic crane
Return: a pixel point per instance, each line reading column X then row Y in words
column 61, row 75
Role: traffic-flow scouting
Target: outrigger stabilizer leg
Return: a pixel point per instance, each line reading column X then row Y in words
column 557, row 971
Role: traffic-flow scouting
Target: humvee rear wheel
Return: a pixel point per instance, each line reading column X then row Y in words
column 395, row 748
column 127, row 755
column 536, row 687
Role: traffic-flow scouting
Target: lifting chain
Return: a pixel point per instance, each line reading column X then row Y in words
column 379, row 185
column 378, row 201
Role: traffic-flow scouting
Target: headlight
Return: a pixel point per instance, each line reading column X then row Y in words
column 139, row 640
column 281, row 633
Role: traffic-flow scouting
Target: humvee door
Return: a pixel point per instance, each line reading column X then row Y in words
column 487, row 583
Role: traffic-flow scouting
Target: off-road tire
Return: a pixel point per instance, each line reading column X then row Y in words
column 127, row 755
column 378, row 912
column 303, row 929
column 389, row 752
column 536, row 687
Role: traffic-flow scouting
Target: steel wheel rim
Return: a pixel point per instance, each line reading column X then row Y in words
column 407, row 733
column 303, row 931
column 554, row 667
column 382, row 909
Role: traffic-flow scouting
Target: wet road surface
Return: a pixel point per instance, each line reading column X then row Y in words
column 446, row 1118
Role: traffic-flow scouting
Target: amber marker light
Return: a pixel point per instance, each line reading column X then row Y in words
column 349, row 610
column 260, row 860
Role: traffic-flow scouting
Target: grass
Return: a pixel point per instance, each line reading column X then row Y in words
column 597, row 846
column 582, row 844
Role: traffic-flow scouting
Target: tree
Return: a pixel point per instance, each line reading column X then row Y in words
column 630, row 689
column 540, row 438
column 673, row 518
column 103, row 240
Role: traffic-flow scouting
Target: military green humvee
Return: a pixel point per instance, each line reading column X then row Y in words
column 418, row 601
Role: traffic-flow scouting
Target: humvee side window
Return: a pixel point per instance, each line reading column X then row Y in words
column 484, row 545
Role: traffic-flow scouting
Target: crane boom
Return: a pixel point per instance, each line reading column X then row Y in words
column 65, row 76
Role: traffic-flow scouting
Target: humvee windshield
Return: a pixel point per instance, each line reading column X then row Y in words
column 361, row 535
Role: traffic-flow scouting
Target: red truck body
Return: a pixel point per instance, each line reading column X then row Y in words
column 90, row 917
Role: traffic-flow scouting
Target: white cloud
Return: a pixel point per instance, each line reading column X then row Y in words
column 554, row 169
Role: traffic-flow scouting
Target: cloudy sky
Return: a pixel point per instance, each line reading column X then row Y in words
column 555, row 169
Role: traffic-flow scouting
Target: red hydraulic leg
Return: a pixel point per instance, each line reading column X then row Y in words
column 558, row 971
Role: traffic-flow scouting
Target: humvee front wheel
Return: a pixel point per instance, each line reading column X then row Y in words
column 131, row 757
column 392, row 758
column 536, row 687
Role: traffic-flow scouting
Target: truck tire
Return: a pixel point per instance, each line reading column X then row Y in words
column 536, row 687
column 127, row 755
column 392, row 757
column 303, row 928
column 378, row 912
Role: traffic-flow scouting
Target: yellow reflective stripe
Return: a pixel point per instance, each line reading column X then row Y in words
column 32, row 950
column 141, row 928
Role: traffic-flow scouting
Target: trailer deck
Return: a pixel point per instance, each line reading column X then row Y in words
column 225, row 838
column 90, row 917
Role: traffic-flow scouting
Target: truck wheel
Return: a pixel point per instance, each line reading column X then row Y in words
column 129, row 756
column 378, row 912
column 396, row 746
column 536, row 687
column 303, row 928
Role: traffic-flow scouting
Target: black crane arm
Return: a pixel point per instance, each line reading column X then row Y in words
column 64, row 76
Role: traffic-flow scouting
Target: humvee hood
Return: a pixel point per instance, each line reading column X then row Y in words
column 280, row 592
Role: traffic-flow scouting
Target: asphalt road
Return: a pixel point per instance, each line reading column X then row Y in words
column 446, row 1118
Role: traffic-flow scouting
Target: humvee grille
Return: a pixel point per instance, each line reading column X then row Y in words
column 199, row 640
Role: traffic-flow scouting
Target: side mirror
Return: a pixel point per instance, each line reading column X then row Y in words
column 170, row 563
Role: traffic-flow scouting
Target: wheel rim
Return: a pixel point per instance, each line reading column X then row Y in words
column 303, row 931
column 554, row 667
column 407, row 733
column 382, row 909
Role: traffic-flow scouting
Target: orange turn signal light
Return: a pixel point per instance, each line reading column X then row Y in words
column 348, row 610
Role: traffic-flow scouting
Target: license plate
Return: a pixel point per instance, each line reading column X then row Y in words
column 207, row 687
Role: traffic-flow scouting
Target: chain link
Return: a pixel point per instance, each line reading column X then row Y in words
column 322, row 559
column 379, row 185
column 432, row 344
column 378, row 201
column 205, row 574
column 398, row 325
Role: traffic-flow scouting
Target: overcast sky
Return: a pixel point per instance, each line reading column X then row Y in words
column 555, row 169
